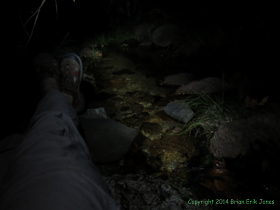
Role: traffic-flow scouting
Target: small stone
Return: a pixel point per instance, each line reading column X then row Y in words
column 179, row 110
column 136, row 108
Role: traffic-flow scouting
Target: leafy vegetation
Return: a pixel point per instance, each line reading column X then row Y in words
column 114, row 38
column 111, row 39
column 210, row 111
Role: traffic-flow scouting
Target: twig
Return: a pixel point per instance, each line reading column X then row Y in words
column 21, row 21
column 37, row 11
column 32, row 29
column 62, row 41
column 56, row 10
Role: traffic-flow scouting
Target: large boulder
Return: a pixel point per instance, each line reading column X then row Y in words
column 107, row 139
column 144, row 31
column 165, row 35
column 204, row 86
column 238, row 137
column 177, row 79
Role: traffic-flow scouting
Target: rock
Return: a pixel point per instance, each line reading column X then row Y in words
column 173, row 160
column 146, row 44
column 115, row 84
column 87, row 53
column 141, row 191
column 125, row 47
column 165, row 35
column 107, row 139
column 179, row 110
column 90, row 79
column 123, row 72
column 206, row 85
column 136, row 108
column 143, row 31
column 170, row 153
column 170, row 125
column 238, row 137
column 153, row 119
column 177, row 79
column 151, row 130
column 95, row 113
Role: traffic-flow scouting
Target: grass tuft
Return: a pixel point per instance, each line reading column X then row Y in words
column 211, row 111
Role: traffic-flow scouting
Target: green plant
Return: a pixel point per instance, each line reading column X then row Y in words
column 207, row 159
column 210, row 111
column 88, row 64
column 99, row 40
column 113, row 38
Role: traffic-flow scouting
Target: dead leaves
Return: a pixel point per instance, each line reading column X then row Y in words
column 253, row 102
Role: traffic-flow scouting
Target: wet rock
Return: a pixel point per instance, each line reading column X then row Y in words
column 140, row 191
column 153, row 119
column 123, row 71
column 177, row 79
column 134, row 121
column 166, row 118
column 206, row 85
column 170, row 125
column 179, row 110
column 151, row 130
column 238, row 137
column 136, row 108
column 129, row 83
column 129, row 104
column 114, row 84
column 173, row 160
column 146, row 104
column 165, row 35
column 170, row 153
column 177, row 129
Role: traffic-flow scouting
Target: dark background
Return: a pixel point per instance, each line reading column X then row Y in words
column 82, row 18
column 248, row 26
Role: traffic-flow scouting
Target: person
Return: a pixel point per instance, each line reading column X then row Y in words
column 51, row 168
